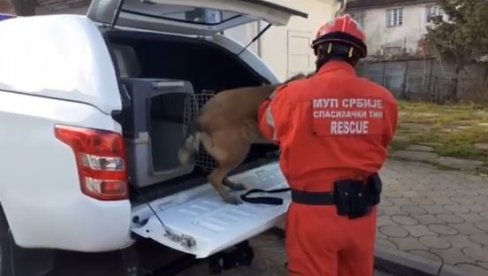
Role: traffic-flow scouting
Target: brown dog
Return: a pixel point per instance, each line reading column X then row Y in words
column 227, row 126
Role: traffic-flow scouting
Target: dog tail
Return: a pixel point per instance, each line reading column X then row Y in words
column 188, row 151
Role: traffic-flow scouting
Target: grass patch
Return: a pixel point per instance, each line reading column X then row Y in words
column 452, row 130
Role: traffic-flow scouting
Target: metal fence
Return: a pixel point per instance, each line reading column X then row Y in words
column 428, row 79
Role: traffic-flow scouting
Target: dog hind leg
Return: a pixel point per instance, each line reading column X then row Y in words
column 216, row 178
column 229, row 150
column 238, row 149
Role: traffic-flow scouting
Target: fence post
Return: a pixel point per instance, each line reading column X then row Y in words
column 436, row 90
column 404, row 85
column 485, row 77
column 383, row 74
column 486, row 71
column 430, row 78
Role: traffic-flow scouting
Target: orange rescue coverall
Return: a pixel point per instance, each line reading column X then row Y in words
column 331, row 126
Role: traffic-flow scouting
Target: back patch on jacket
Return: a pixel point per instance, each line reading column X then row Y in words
column 347, row 116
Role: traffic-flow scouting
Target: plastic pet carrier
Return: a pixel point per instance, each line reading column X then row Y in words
column 155, row 126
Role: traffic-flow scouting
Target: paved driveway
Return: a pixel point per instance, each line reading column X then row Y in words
column 269, row 261
column 435, row 214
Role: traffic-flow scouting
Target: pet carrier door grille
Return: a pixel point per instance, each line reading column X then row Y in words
column 202, row 159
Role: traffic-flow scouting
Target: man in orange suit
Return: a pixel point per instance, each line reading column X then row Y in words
column 333, row 130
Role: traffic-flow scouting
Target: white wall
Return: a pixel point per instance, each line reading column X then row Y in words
column 407, row 35
column 287, row 49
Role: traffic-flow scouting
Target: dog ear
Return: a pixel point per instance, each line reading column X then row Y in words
column 299, row 77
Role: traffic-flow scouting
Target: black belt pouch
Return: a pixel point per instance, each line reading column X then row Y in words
column 350, row 198
column 374, row 187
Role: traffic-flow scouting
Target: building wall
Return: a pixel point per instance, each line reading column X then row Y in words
column 286, row 49
column 382, row 39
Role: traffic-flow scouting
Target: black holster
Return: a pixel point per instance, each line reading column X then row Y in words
column 355, row 199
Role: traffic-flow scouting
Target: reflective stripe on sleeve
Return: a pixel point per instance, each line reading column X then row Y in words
column 273, row 94
column 270, row 121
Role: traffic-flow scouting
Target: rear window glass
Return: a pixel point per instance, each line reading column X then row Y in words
column 204, row 16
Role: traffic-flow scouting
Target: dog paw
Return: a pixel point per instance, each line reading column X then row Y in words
column 234, row 186
column 237, row 187
column 232, row 199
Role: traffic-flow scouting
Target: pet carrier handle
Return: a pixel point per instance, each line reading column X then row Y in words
column 264, row 199
column 166, row 84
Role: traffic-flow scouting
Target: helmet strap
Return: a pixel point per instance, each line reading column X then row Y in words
column 329, row 49
column 329, row 52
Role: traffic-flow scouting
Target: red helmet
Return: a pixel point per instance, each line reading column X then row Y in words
column 344, row 30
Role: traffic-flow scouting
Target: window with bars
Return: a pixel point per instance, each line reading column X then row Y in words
column 394, row 17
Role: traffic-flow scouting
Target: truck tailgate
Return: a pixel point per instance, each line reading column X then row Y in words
column 200, row 223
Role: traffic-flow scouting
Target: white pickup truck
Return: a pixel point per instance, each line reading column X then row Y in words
column 92, row 111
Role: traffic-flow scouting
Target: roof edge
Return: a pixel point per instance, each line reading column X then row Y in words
column 370, row 4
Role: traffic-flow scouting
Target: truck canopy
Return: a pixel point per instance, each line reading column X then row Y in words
column 195, row 17
column 58, row 56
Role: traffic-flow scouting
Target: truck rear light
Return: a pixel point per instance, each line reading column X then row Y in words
column 106, row 187
column 100, row 158
column 103, row 163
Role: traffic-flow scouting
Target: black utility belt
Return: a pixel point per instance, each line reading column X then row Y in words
column 352, row 198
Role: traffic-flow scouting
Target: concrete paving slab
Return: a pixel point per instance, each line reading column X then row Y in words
column 402, row 263
column 451, row 236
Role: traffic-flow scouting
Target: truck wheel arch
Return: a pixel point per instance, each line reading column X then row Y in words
column 13, row 257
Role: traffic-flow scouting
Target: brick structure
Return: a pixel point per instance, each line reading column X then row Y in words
column 6, row 7
column 51, row 6
column 62, row 6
